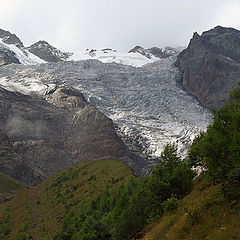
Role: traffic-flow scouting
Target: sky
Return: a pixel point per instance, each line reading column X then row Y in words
column 74, row 25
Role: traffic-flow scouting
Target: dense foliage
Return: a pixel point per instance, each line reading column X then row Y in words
column 219, row 148
column 122, row 213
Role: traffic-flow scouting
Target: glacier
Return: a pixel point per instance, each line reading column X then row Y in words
column 148, row 107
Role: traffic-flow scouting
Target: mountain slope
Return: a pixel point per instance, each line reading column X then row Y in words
column 12, row 50
column 40, row 137
column 8, row 187
column 211, row 65
column 39, row 210
column 203, row 214
column 13, row 164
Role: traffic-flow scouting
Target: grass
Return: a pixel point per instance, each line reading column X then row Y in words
column 8, row 186
column 203, row 214
column 39, row 210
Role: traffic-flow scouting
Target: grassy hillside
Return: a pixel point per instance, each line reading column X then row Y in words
column 203, row 214
column 39, row 210
column 8, row 186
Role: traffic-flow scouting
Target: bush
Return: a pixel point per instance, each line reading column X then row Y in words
column 170, row 205
column 193, row 214
column 170, row 177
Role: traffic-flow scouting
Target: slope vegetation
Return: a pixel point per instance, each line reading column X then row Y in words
column 39, row 210
column 203, row 214
column 8, row 187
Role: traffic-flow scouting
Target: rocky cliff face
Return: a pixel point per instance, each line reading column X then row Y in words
column 211, row 65
column 13, row 165
column 7, row 57
column 40, row 137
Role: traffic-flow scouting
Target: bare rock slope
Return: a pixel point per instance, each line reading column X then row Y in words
column 38, row 138
column 211, row 65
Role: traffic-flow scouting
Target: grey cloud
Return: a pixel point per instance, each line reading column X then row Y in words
column 121, row 24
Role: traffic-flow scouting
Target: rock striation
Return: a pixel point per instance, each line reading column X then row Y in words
column 210, row 65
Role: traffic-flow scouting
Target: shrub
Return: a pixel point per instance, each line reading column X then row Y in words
column 170, row 205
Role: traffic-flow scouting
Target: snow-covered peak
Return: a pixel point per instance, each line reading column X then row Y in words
column 108, row 55
column 12, row 50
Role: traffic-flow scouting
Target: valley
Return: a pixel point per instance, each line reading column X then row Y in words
column 102, row 144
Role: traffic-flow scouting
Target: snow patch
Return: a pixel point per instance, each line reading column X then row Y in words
column 24, row 56
column 109, row 55
column 26, row 86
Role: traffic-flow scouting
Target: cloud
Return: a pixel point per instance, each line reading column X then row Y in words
column 121, row 24
column 230, row 15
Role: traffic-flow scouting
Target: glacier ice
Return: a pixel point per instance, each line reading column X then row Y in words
column 146, row 104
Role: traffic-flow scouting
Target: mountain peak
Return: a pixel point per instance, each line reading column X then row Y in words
column 10, row 38
column 141, row 50
column 47, row 52
column 219, row 30
column 218, row 51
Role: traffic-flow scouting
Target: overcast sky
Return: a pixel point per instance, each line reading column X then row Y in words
column 121, row 24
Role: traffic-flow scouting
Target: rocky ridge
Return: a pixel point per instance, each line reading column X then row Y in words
column 211, row 65
column 47, row 52
column 155, row 52
column 10, row 38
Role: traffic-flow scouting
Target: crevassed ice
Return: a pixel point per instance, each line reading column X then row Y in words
column 146, row 104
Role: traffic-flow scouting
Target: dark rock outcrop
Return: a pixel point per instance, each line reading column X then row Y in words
column 164, row 53
column 160, row 53
column 47, row 52
column 141, row 50
column 42, row 137
column 7, row 57
column 211, row 65
column 13, row 165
